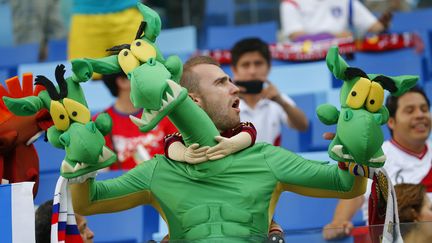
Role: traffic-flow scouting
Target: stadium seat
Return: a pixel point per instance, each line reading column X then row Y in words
column 296, row 212
column 391, row 63
column 57, row 50
column 97, row 95
column 219, row 12
column 6, row 33
column 47, row 183
column 12, row 56
column 185, row 41
column 138, row 223
column 50, row 158
column 301, row 78
column 224, row 37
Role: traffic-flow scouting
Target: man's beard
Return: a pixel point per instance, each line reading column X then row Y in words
column 221, row 118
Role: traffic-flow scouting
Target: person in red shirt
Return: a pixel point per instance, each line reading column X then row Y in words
column 131, row 145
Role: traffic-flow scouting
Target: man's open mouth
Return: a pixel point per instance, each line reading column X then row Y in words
column 236, row 103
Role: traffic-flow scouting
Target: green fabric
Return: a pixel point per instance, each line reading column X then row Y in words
column 226, row 198
column 83, row 140
column 359, row 136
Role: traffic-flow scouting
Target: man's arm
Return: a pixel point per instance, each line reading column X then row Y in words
column 341, row 224
column 127, row 191
column 312, row 178
column 295, row 117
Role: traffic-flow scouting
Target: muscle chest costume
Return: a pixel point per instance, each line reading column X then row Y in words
column 231, row 197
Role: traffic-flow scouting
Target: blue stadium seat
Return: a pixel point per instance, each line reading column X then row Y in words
column 57, row 50
column 12, row 56
column 314, row 236
column 301, row 78
column 296, row 212
column 412, row 21
column 97, row 95
column 185, row 40
column 138, row 223
column 6, row 33
column 224, row 37
column 4, row 74
column 134, row 225
column 310, row 140
column 392, row 63
column 219, row 12
column 50, row 158
column 47, row 183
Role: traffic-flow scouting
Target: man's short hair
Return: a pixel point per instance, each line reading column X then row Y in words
column 392, row 101
column 110, row 81
column 250, row 45
column 189, row 79
column 43, row 222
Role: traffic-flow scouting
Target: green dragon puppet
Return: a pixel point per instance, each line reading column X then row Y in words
column 73, row 129
column 231, row 198
column 359, row 136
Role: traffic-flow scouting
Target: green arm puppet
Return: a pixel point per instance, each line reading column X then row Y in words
column 73, row 129
column 359, row 136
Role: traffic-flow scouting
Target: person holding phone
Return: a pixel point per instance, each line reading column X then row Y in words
column 261, row 103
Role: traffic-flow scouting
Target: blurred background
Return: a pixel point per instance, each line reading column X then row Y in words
column 35, row 35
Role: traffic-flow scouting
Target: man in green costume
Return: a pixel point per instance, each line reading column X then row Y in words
column 231, row 197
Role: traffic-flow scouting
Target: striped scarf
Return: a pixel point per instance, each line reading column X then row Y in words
column 63, row 224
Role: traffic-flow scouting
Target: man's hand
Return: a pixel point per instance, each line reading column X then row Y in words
column 194, row 154
column 270, row 92
column 336, row 230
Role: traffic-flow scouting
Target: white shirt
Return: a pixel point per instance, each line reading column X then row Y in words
column 324, row 16
column 267, row 117
column 402, row 167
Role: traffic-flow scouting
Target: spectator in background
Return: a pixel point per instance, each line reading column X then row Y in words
column 99, row 25
column 409, row 155
column 131, row 145
column 267, row 109
column 323, row 19
column 381, row 6
column 415, row 213
column 37, row 22
column 43, row 224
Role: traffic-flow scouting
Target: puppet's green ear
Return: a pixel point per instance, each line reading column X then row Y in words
column 335, row 63
column 153, row 20
column 24, row 106
column 404, row 83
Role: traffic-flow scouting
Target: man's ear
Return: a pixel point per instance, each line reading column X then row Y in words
column 391, row 123
column 196, row 98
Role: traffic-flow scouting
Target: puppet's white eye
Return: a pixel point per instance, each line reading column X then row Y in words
column 358, row 93
column 143, row 50
column 127, row 61
column 76, row 111
column 59, row 115
column 375, row 98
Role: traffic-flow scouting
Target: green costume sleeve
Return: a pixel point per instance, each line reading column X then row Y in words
column 127, row 191
column 311, row 178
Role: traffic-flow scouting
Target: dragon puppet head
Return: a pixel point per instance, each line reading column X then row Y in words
column 358, row 132
column 18, row 158
column 154, row 80
column 73, row 129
